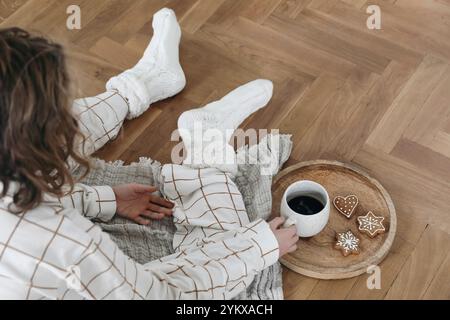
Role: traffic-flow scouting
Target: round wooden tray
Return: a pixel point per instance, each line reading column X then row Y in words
column 316, row 256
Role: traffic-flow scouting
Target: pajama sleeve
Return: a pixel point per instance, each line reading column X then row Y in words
column 212, row 271
column 92, row 202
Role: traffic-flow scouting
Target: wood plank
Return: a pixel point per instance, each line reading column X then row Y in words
column 25, row 15
column 332, row 290
column 199, row 14
column 398, row 27
column 432, row 115
column 89, row 72
column 447, row 125
column 405, row 108
column 114, row 53
column 8, row 7
column 260, row 10
column 304, row 30
column 428, row 160
column 370, row 111
column 134, row 19
column 323, row 5
column 410, row 229
column 440, row 286
column 198, row 59
column 291, row 8
column 389, row 268
column 316, row 141
column 103, row 23
column 441, row 143
column 286, row 96
column 150, row 140
column 409, row 187
column 131, row 131
column 231, row 10
column 47, row 21
column 181, row 7
column 355, row 3
column 430, row 17
column 360, row 37
column 296, row 286
column 421, row 267
column 310, row 106
column 254, row 55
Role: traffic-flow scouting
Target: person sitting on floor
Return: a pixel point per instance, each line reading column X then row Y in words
column 46, row 216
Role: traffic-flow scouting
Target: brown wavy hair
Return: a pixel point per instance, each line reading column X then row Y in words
column 38, row 132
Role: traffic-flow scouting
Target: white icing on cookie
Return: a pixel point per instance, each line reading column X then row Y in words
column 371, row 224
column 346, row 205
column 348, row 243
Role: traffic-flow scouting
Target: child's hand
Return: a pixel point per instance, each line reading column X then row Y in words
column 287, row 237
column 137, row 203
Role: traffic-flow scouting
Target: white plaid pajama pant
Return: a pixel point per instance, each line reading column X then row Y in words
column 207, row 202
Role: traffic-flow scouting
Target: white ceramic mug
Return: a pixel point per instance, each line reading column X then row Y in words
column 307, row 225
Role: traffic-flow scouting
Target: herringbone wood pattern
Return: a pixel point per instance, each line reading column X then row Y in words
column 378, row 98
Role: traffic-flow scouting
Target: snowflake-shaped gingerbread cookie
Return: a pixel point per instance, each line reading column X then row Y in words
column 371, row 224
column 348, row 243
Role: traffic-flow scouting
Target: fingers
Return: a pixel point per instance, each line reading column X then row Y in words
column 152, row 215
column 155, row 208
column 140, row 188
column 276, row 223
column 142, row 221
column 162, row 202
column 292, row 239
column 292, row 248
column 292, row 231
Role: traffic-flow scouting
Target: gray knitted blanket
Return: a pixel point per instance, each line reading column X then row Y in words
column 148, row 243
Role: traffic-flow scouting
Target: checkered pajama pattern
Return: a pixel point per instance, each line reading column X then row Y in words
column 55, row 252
column 40, row 249
column 208, row 203
column 35, row 247
column 210, row 208
column 100, row 119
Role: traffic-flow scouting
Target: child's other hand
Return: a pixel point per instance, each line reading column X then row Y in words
column 136, row 202
column 287, row 237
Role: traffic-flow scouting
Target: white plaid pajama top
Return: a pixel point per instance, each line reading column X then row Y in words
column 56, row 252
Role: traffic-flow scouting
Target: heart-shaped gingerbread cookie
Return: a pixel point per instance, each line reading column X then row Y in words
column 346, row 205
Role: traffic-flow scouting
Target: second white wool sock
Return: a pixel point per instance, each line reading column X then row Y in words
column 206, row 132
column 158, row 75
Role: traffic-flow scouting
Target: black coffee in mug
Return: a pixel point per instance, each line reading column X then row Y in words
column 306, row 205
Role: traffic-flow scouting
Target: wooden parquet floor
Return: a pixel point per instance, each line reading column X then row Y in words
column 378, row 98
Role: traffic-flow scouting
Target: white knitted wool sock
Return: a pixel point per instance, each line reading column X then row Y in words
column 158, row 75
column 242, row 102
column 206, row 132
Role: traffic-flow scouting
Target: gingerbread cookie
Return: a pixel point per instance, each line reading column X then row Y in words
column 348, row 243
column 347, row 205
column 371, row 224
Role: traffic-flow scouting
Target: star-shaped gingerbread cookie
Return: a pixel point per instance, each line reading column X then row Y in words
column 348, row 243
column 371, row 224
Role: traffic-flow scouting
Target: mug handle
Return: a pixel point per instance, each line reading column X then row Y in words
column 289, row 223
